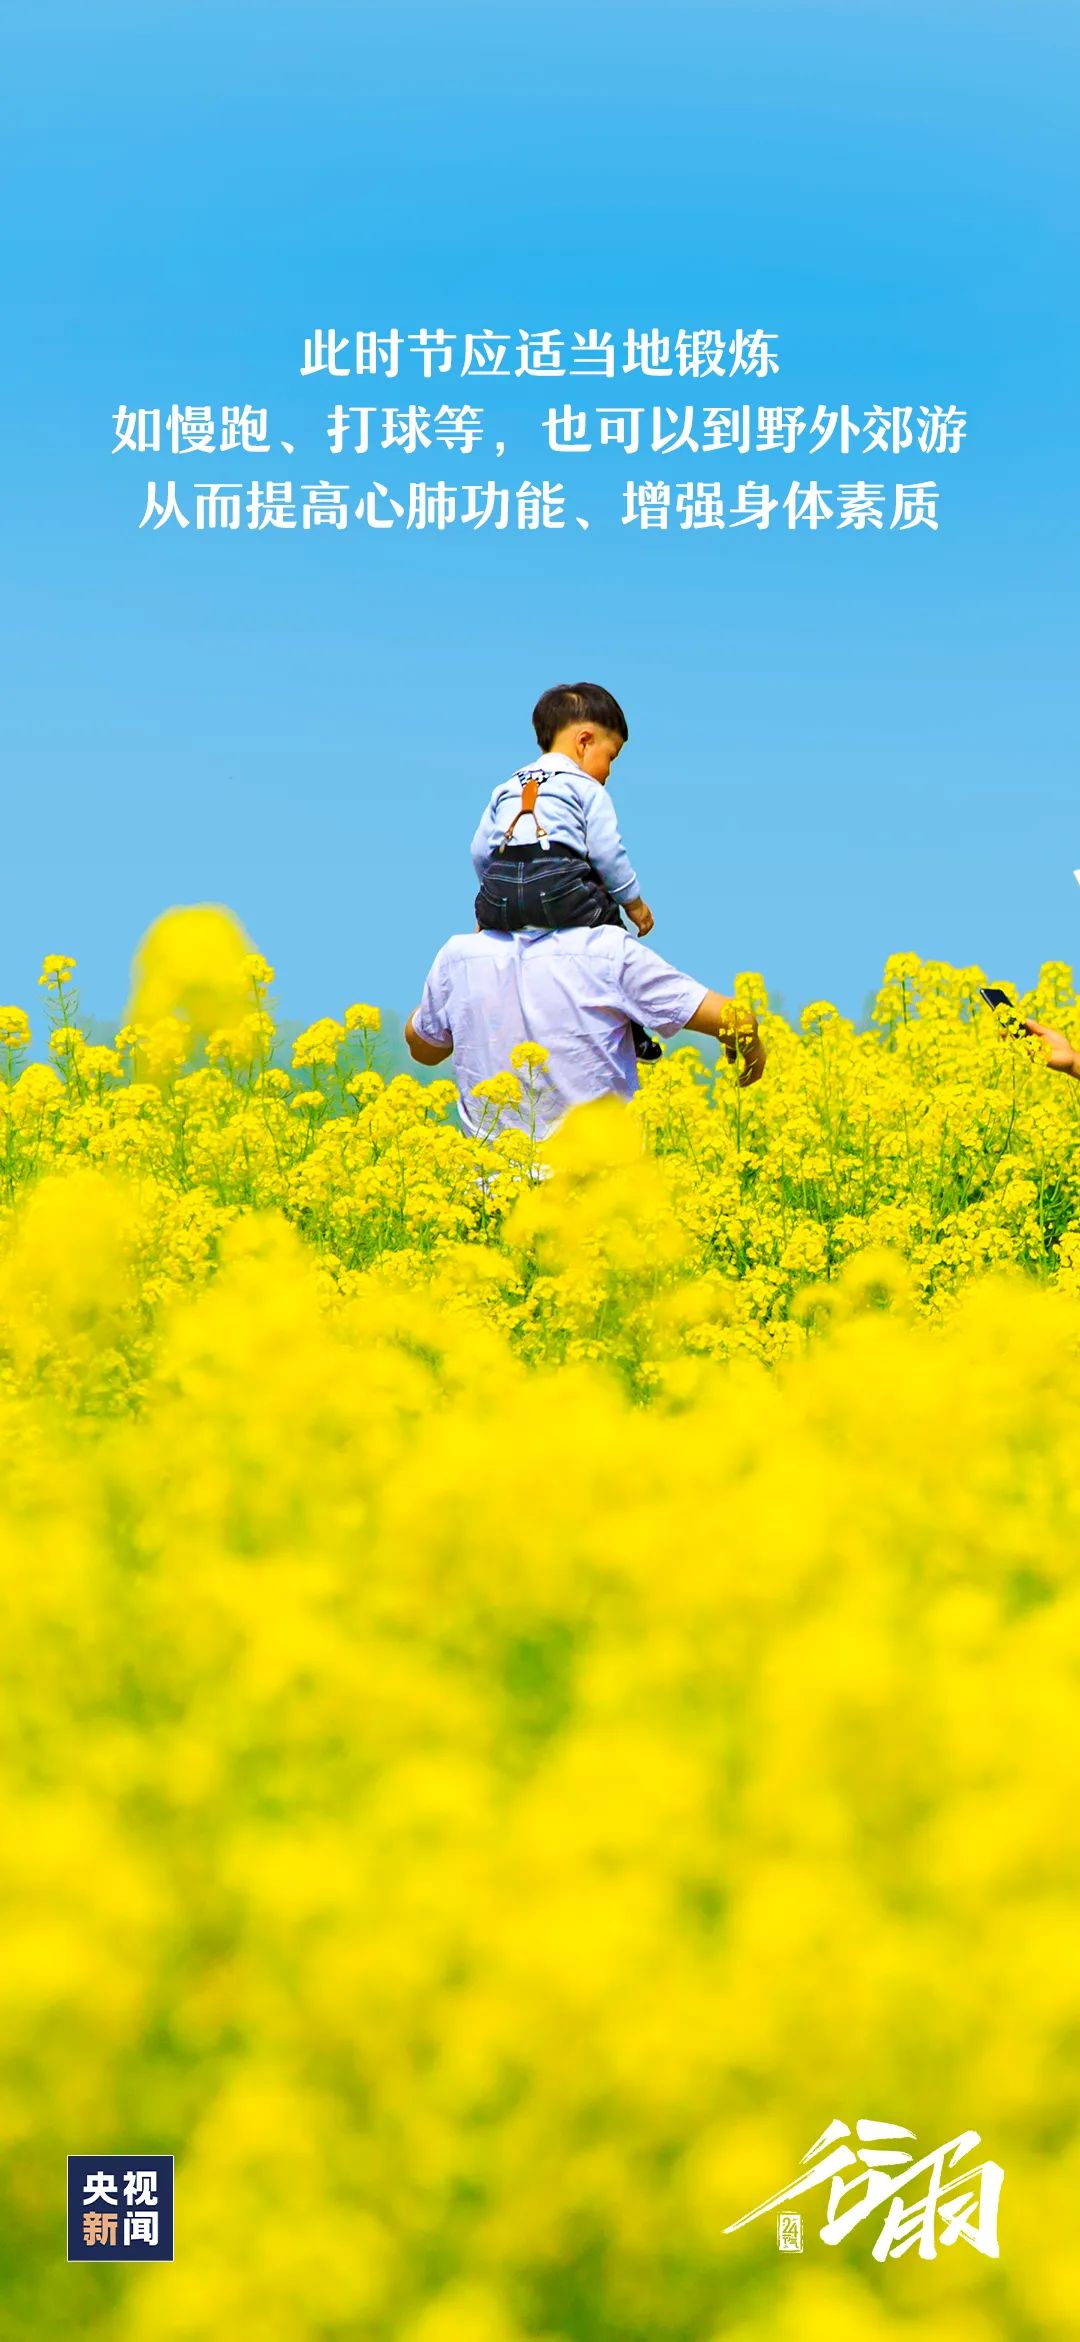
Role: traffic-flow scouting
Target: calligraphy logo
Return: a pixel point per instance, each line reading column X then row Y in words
column 947, row 2206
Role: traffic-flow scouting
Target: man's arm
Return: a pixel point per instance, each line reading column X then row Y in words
column 737, row 1029
column 429, row 1034
column 667, row 1001
column 424, row 1052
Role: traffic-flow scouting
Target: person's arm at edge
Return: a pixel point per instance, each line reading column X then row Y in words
column 736, row 1029
column 1061, row 1057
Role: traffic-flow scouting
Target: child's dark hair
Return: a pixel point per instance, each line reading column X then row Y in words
column 577, row 703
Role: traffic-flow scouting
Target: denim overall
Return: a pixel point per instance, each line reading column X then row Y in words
column 545, row 885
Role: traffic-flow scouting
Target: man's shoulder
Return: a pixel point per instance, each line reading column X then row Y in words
column 627, row 956
column 462, row 950
column 470, row 944
column 603, row 951
column 606, row 945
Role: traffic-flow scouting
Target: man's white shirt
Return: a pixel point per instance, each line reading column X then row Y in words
column 572, row 989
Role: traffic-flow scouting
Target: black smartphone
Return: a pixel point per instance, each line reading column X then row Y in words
column 996, row 998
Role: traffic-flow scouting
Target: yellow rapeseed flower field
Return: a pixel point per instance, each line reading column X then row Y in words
column 535, row 1678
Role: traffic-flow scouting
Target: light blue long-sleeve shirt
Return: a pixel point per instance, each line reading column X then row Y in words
column 573, row 809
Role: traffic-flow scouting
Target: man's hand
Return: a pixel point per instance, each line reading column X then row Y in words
column 737, row 1029
column 640, row 913
column 1061, row 1057
column 747, row 1049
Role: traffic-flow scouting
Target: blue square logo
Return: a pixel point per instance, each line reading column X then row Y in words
column 120, row 2207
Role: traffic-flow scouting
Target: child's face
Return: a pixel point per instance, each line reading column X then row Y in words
column 596, row 752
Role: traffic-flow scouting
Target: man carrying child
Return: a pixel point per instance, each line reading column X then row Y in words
column 550, row 960
column 567, row 867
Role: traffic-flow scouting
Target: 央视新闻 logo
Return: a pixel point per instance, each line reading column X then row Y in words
column 120, row 2207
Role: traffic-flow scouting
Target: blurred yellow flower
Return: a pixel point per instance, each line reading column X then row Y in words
column 14, row 1028
column 192, row 964
column 56, row 969
column 499, row 1641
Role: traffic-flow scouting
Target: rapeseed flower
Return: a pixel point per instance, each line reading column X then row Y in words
column 500, row 1642
column 56, row 970
column 14, row 1028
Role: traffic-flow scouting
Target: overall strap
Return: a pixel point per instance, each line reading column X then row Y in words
column 530, row 789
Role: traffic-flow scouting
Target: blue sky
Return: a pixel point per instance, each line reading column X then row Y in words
column 841, row 745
